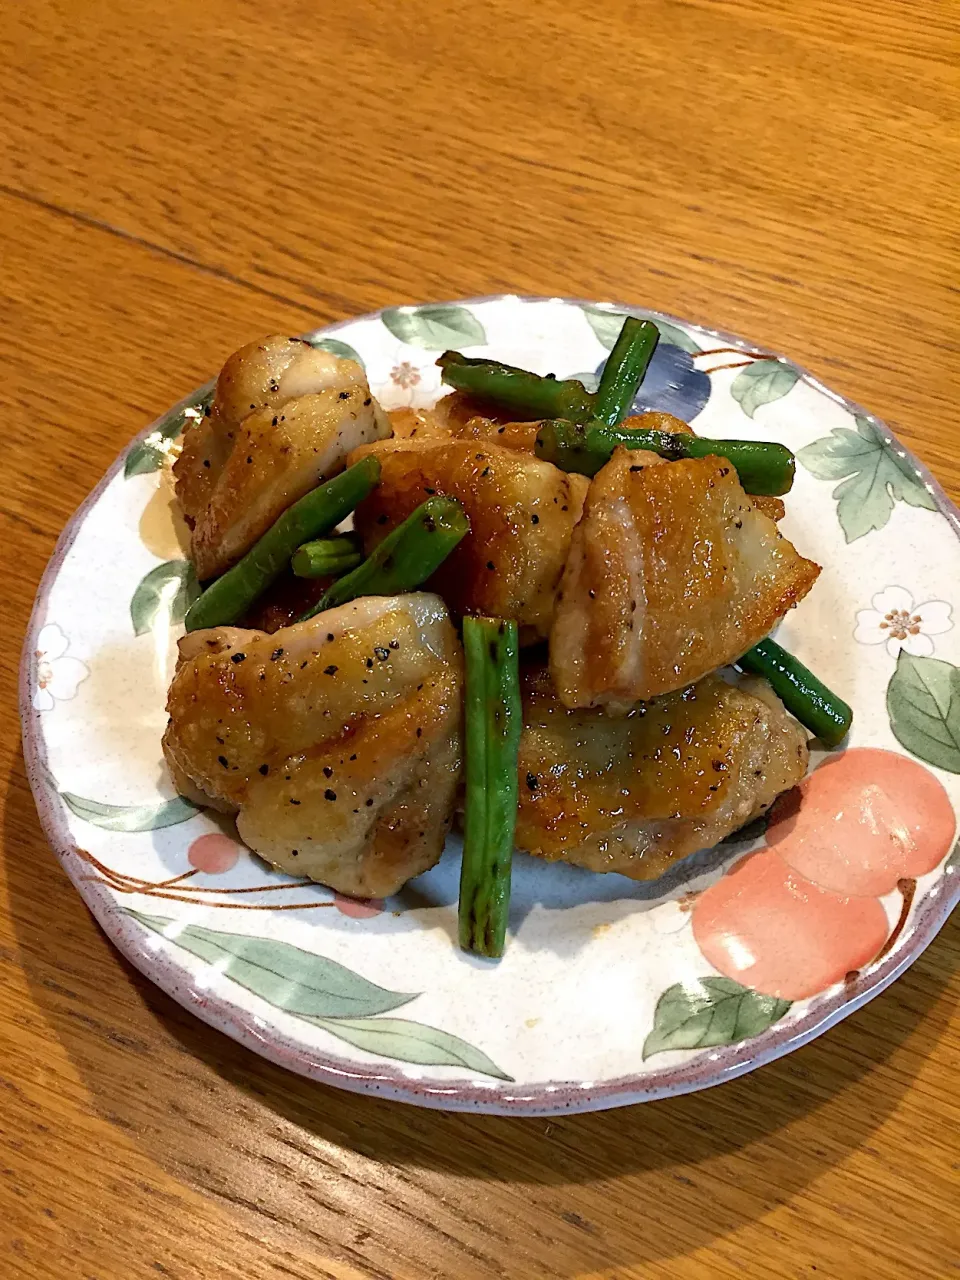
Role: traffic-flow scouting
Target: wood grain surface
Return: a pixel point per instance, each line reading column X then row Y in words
column 177, row 177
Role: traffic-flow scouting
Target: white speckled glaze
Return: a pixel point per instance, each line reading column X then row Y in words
column 561, row 1022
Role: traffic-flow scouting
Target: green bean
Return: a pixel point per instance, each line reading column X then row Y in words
column 804, row 696
column 328, row 557
column 319, row 511
column 406, row 557
column 493, row 724
column 526, row 395
column 764, row 468
column 625, row 369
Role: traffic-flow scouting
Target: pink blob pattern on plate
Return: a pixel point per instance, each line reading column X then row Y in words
column 213, row 853
column 768, row 927
column 358, row 908
column 796, row 917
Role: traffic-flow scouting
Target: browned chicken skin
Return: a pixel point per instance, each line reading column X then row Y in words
column 522, row 514
column 284, row 417
column 432, row 425
column 634, row 793
column 336, row 741
column 672, row 573
column 458, row 417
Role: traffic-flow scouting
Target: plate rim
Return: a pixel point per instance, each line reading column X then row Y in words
column 391, row 1080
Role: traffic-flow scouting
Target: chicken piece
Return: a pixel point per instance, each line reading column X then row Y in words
column 408, row 423
column 654, row 421
column 457, row 409
column 772, row 507
column 768, row 506
column 672, row 573
column 456, row 418
column 446, row 419
column 522, row 514
column 675, row 775
column 519, row 436
column 336, row 741
column 433, row 424
column 284, row 417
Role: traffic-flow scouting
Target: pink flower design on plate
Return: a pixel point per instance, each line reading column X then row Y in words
column 794, row 918
column 405, row 374
column 58, row 675
column 894, row 620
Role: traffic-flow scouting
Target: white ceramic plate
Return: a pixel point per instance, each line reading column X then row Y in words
column 606, row 994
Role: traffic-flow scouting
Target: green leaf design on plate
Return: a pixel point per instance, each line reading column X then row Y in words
column 148, row 454
column 286, row 976
column 411, row 1042
column 337, row 348
column 874, row 476
column 709, row 1012
column 130, row 817
column 923, row 703
column 437, row 328
column 163, row 596
column 607, row 325
column 761, row 383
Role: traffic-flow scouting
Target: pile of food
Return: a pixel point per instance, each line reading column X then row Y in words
column 548, row 624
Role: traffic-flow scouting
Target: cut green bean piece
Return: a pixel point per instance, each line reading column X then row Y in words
column 626, row 366
column 526, row 395
column 764, row 467
column 316, row 513
column 328, row 557
column 493, row 724
column 406, row 557
column 805, row 697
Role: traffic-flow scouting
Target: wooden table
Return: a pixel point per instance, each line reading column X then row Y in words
column 180, row 176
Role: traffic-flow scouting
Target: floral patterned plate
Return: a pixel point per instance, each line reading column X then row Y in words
column 611, row 991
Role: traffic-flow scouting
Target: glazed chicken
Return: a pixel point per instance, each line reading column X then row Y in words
column 336, row 741
column 458, row 417
column 672, row 573
column 634, row 793
column 284, row 417
column 522, row 513
column 433, row 425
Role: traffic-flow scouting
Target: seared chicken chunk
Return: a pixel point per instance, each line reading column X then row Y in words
column 674, row 775
column 522, row 514
column 672, row 573
column 432, row 425
column 284, row 417
column 772, row 507
column 456, row 417
column 336, row 741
